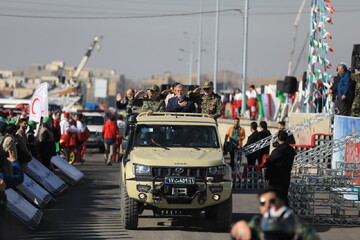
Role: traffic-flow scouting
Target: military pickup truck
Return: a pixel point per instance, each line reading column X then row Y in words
column 174, row 165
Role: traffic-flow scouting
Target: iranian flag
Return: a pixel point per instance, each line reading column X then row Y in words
column 267, row 106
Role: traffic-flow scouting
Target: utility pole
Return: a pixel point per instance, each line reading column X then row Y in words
column 216, row 45
column 243, row 105
column 200, row 44
column 290, row 71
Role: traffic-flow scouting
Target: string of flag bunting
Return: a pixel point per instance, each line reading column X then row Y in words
column 318, row 64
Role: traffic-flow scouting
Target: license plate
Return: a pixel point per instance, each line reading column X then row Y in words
column 180, row 180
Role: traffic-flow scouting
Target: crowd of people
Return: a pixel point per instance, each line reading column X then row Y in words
column 43, row 139
column 19, row 144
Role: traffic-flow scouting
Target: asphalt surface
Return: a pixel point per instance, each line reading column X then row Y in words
column 90, row 210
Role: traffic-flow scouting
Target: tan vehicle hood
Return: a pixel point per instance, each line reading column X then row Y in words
column 177, row 157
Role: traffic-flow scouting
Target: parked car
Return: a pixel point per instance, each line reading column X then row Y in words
column 95, row 121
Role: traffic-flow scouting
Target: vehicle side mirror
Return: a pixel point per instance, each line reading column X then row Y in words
column 132, row 119
column 124, row 143
column 228, row 147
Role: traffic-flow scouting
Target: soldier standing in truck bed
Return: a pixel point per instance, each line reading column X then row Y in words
column 154, row 101
column 208, row 102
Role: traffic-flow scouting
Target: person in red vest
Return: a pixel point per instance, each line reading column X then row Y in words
column 65, row 133
column 82, row 135
column 236, row 106
column 252, row 102
column 56, row 123
column 110, row 132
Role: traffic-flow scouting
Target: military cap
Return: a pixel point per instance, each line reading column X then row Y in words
column 154, row 88
column 208, row 84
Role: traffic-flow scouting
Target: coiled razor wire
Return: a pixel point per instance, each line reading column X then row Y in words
column 296, row 128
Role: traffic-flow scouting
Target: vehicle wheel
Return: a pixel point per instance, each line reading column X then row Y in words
column 129, row 210
column 101, row 148
column 72, row 157
column 224, row 215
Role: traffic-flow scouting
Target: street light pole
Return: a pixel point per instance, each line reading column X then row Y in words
column 216, row 45
column 200, row 44
column 191, row 63
column 243, row 106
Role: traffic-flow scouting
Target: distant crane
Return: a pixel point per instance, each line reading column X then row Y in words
column 70, row 93
column 85, row 58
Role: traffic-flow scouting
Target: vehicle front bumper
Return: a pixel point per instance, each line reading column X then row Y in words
column 202, row 194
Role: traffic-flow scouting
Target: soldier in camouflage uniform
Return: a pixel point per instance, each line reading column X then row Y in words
column 269, row 200
column 355, row 108
column 208, row 102
column 152, row 102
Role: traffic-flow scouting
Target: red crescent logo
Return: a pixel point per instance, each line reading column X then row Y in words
column 32, row 105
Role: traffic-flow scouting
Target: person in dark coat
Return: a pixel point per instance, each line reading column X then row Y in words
column 180, row 103
column 279, row 164
column 345, row 90
column 47, row 147
column 122, row 103
column 253, row 138
column 30, row 135
column 264, row 133
column 290, row 139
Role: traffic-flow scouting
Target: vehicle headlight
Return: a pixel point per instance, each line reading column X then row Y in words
column 142, row 169
column 217, row 170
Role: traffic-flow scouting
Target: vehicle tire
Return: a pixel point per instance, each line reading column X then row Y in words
column 72, row 157
column 210, row 213
column 129, row 210
column 69, row 156
column 223, row 216
column 101, row 148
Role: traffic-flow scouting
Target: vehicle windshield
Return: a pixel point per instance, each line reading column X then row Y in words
column 176, row 136
column 94, row 120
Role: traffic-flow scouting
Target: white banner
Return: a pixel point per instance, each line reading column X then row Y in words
column 101, row 88
column 69, row 170
column 39, row 106
column 45, row 177
column 34, row 192
column 22, row 209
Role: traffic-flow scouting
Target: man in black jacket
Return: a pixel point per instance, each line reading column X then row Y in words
column 122, row 103
column 290, row 139
column 253, row 138
column 279, row 164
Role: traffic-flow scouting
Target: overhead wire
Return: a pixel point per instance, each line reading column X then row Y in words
column 128, row 15
column 116, row 17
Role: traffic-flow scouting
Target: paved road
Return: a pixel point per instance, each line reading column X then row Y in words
column 90, row 210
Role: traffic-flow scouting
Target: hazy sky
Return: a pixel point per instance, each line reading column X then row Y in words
column 141, row 47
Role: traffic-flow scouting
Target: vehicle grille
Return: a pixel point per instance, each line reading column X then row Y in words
column 188, row 172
